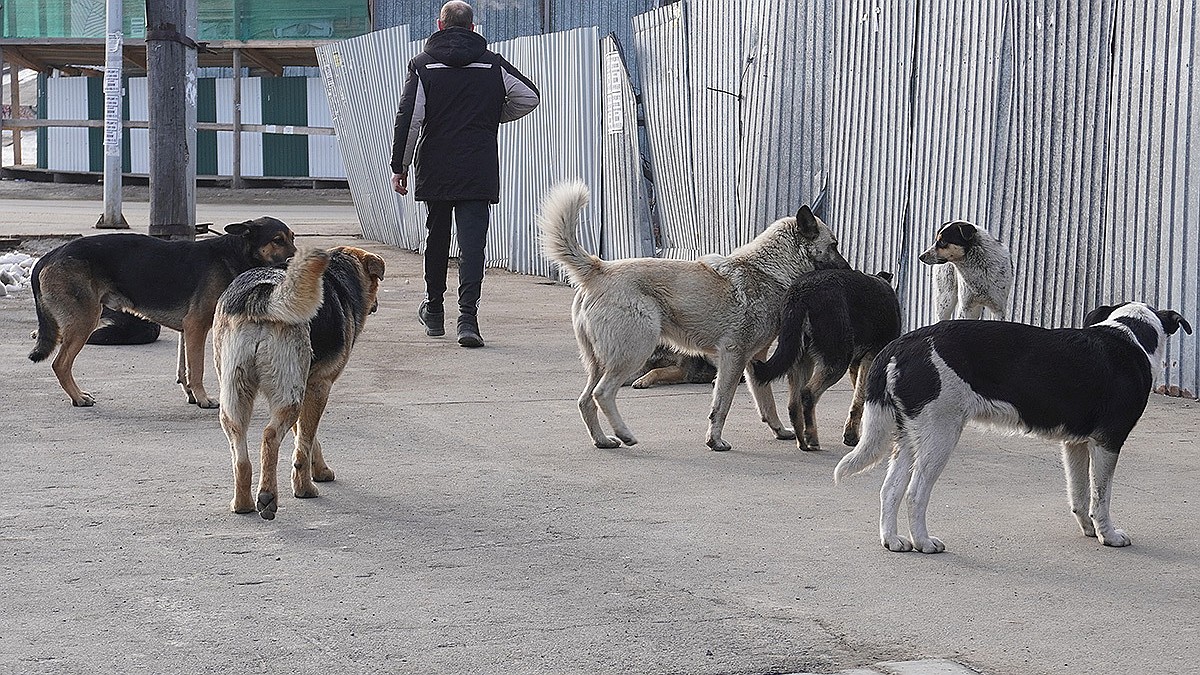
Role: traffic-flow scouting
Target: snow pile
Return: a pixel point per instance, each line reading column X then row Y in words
column 15, row 270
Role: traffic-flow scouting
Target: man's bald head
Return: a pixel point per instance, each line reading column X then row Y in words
column 457, row 13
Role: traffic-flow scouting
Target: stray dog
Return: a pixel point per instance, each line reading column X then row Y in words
column 174, row 283
column 726, row 307
column 975, row 272
column 122, row 328
column 833, row 321
column 1085, row 387
column 288, row 334
column 667, row 366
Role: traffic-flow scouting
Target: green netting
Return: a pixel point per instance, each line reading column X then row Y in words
column 217, row 19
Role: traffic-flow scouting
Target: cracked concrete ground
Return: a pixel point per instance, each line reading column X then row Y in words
column 474, row 528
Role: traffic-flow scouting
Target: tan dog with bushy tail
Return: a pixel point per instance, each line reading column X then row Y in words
column 725, row 307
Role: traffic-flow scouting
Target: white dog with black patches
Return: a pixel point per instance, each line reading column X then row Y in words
column 1084, row 387
column 973, row 271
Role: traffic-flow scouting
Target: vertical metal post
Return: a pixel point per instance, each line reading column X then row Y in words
column 237, row 119
column 15, row 132
column 171, row 90
column 14, row 72
column 191, row 57
column 114, row 41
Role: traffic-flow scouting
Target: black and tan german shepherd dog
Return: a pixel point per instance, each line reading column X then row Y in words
column 287, row 335
column 174, row 283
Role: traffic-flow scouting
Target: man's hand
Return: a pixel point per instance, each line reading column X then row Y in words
column 400, row 183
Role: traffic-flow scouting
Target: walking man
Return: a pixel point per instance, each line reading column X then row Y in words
column 455, row 98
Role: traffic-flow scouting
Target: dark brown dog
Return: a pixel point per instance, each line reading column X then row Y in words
column 668, row 366
column 174, row 283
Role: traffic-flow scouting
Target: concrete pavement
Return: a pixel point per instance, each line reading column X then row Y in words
column 474, row 528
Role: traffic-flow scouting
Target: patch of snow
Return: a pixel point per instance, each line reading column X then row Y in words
column 15, row 270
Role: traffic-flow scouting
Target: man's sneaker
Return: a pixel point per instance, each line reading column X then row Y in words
column 434, row 322
column 468, row 331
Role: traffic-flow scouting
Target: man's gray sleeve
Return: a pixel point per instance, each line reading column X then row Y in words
column 409, row 120
column 521, row 96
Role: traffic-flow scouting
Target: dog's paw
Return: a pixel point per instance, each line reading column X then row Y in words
column 323, row 474
column 85, row 400
column 930, row 545
column 896, row 543
column 784, row 433
column 1116, row 538
column 628, row 439
column 208, row 403
column 718, row 444
column 850, row 438
column 238, row 505
column 609, row 442
column 305, row 491
column 267, row 505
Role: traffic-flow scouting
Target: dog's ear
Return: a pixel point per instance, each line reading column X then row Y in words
column 1099, row 314
column 374, row 265
column 807, row 222
column 885, row 275
column 240, row 229
column 1172, row 321
column 965, row 230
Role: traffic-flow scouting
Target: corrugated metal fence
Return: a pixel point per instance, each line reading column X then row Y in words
column 1068, row 129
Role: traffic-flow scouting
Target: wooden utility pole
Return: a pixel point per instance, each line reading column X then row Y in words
column 114, row 40
column 14, row 93
column 171, row 89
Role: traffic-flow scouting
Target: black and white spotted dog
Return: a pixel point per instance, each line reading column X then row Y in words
column 972, row 271
column 1085, row 387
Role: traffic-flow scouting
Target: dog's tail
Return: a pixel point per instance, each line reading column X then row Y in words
column 559, row 226
column 788, row 347
column 295, row 299
column 47, row 330
column 878, row 424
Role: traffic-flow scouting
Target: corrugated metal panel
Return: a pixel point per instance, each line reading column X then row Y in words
column 364, row 78
column 610, row 16
column 139, row 139
column 661, row 45
column 954, row 133
column 67, row 99
column 714, row 83
column 252, row 160
column 1152, row 214
column 785, row 105
column 870, row 133
column 627, row 230
column 284, row 103
column 1056, row 158
column 324, row 156
column 559, row 140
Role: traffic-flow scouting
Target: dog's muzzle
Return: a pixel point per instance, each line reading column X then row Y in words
column 931, row 257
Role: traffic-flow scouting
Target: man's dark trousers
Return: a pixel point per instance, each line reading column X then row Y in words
column 471, row 219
